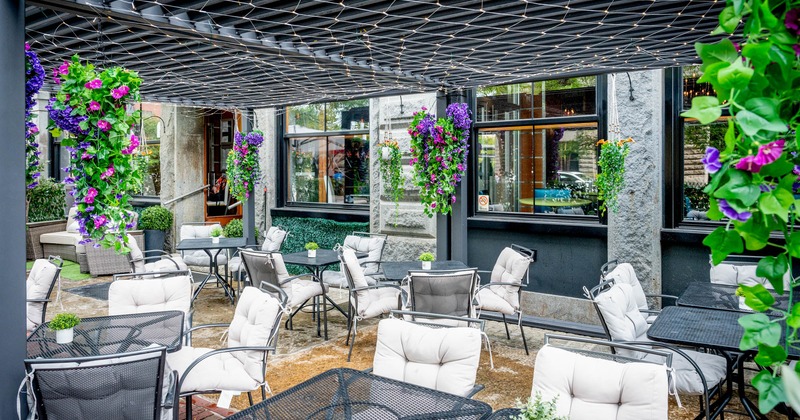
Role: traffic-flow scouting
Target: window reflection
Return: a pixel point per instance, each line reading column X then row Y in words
column 331, row 169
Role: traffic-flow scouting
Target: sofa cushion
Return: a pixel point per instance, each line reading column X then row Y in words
column 64, row 238
column 37, row 286
column 445, row 359
column 594, row 388
column 72, row 222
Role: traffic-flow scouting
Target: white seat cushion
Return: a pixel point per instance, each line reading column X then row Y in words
column 64, row 238
column 510, row 267
column 200, row 258
column 150, row 295
column 297, row 290
column 381, row 301
column 39, row 281
column 336, row 279
column 445, row 359
column 688, row 382
column 235, row 264
column 218, row 372
column 593, row 388
column 736, row 274
column 488, row 300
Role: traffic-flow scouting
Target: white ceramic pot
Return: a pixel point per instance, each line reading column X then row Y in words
column 743, row 305
column 64, row 336
column 426, row 265
column 386, row 153
column 312, row 253
column 215, row 239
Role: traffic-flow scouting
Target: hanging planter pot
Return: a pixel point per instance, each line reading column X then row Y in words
column 386, row 152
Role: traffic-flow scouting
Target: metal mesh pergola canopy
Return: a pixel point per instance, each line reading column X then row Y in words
column 257, row 53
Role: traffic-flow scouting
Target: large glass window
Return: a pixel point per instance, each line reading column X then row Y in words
column 149, row 154
column 328, row 168
column 533, row 164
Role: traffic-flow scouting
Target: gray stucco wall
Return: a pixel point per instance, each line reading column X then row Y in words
column 182, row 164
column 264, row 120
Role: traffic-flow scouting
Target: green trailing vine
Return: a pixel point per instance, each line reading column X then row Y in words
column 392, row 172
column 611, row 178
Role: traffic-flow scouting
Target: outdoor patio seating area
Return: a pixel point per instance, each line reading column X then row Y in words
column 371, row 209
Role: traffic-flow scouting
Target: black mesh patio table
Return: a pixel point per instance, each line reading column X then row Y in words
column 722, row 297
column 506, row 414
column 397, row 270
column 208, row 245
column 110, row 335
column 351, row 394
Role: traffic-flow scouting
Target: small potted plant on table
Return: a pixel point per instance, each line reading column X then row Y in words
column 155, row 221
column 63, row 325
column 427, row 258
column 536, row 409
column 215, row 233
column 312, row 248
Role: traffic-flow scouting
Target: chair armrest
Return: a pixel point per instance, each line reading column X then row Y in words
column 37, row 300
column 204, row 356
column 475, row 390
column 238, row 250
column 499, row 283
column 288, row 279
column 480, row 322
column 661, row 296
column 157, row 258
column 368, row 370
column 199, row 327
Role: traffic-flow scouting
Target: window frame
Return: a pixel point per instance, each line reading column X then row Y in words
column 600, row 118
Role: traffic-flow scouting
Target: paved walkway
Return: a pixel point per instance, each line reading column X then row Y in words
column 203, row 409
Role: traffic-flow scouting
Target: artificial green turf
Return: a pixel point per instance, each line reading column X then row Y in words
column 69, row 271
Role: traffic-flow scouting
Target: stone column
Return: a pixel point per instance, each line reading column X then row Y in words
column 182, row 154
column 634, row 232
column 264, row 120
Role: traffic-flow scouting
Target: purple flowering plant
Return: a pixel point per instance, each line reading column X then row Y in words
column 754, row 179
column 34, row 78
column 244, row 172
column 439, row 150
column 89, row 108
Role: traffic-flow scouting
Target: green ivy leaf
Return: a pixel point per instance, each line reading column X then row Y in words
column 739, row 187
column 755, row 233
column 758, row 53
column 714, row 53
column 773, row 268
column 723, row 242
column 768, row 204
column 793, row 244
column 766, row 14
column 768, row 355
column 705, row 109
column 757, row 297
column 751, row 123
column 793, row 318
column 778, row 168
column 770, row 390
column 713, row 210
column 730, row 137
column 735, row 76
column 758, row 329
column 728, row 20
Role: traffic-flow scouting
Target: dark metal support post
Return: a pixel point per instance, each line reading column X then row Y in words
column 249, row 205
column 12, row 189
column 442, row 222
column 458, row 218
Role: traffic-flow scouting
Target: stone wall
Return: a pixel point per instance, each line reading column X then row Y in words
column 264, row 120
column 410, row 231
column 182, row 164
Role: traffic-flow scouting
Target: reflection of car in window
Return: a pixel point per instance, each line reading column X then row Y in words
column 574, row 178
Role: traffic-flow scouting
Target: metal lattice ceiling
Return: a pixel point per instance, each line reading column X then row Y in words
column 258, row 53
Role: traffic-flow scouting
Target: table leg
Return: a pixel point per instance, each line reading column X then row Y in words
column 749, row 406
column 213, row 270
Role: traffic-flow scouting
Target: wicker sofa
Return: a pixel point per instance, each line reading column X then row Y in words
column 33, row 248
column 105, row 261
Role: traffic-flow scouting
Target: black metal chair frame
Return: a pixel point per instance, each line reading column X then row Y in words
column 270, row 347
column 530, row 254
column 241, row 275
column 708, row 393
column 168, row 401
column 59, row 263
column 352, row 308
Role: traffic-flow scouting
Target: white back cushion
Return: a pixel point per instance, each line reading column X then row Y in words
column 42, row 275
column 445, row 359
column 150, row 295
column 372, row 245
column 136, row 254
column 273, row 239
column 593, row 388
column 72, row 222
column 357, row 273
column 624, row 320
column 197, row 231
column 736, row 274
column 624, row 273
column 510, row 267
column 252, row 325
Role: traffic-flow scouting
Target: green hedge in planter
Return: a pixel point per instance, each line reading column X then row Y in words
column 324, row 232
column 48, row 200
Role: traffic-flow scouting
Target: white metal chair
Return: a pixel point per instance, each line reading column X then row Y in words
column 41, row 280
column 117, row 386
column 371, row 244
column 590, row 384
column 443, row 359
column 503, row 293
column 696, row 373
column 242, row 365
column 366, row 301
column 625, row 273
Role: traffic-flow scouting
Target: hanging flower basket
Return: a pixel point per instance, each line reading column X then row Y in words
column 92, row 107
column 244, row 171
column 34, row 78
column 392, row 171
column 439, row 150
column 611, row 178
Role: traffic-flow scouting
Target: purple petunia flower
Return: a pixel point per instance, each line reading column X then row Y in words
column 748, row 163
column 711, row 160
column 107, row 173
column 99, row 221
column 94, row 106
column 104, row 125
column 94, row 84
column 792, row 21
column 91, row 193
column 132, row 146
column 731, row 213
column 769, row 152
column 119, row 92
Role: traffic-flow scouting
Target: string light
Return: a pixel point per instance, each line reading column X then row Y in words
column 237, row 54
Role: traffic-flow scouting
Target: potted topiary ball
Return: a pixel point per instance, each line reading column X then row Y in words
column 63, row 324
column 155, row 221
column 427, row 258
column 312, row 248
